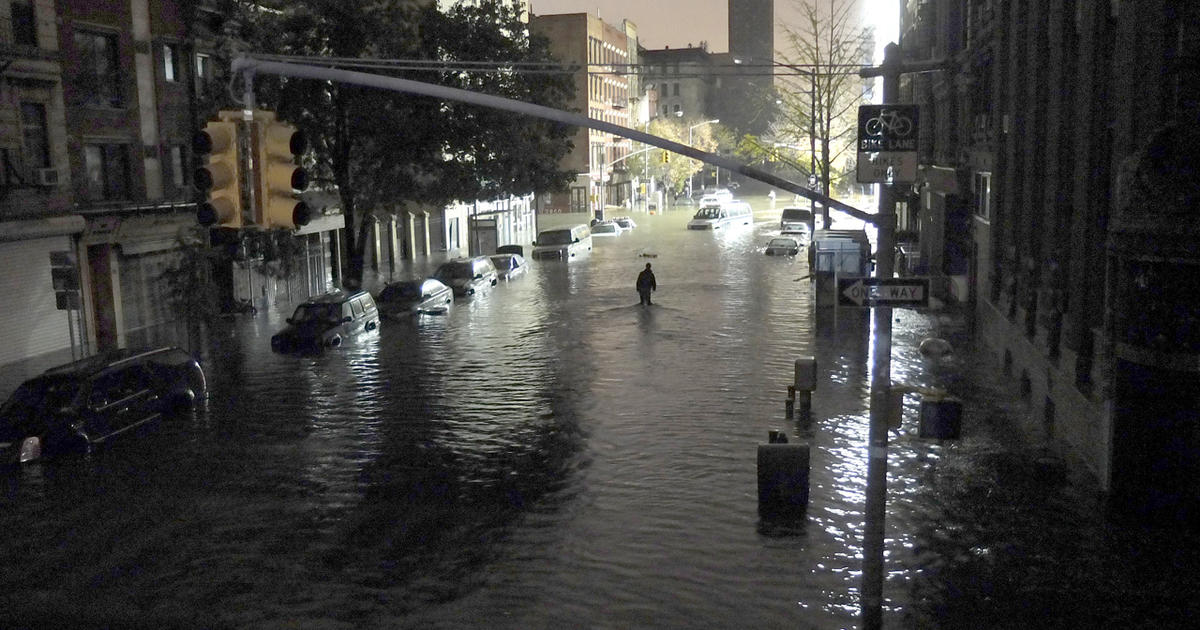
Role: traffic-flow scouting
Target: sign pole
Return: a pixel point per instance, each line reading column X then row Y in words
column 881, row 376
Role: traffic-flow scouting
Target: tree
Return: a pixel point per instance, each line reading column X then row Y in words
column 382, row 149
column 676, row 173
column 819, row 91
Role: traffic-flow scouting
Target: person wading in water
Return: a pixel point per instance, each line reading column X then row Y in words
column 646, row 284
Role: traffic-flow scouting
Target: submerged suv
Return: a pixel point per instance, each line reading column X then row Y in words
column 326, row 321
column 467, row 276
column 73, row 406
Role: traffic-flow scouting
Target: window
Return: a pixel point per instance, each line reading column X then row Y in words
column 106, row 173
column 98, row 71
column 675, row 89
column 24, row 25
column 33, row 128
column 203, row 73
column 981, row 183
column 177, row 176
column 5, row 168
column 170, row 54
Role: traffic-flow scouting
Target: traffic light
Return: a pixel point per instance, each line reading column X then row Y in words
column 666, row 157
column 277, row 175
column 219, row 178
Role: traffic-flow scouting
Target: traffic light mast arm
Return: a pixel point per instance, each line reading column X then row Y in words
column 250, row 66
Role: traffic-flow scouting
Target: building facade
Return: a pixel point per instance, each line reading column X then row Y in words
column 99, row 105
column 1057, row 199
column 603, row 91
column 36, row 216
column 751, row 45
column 682, row 79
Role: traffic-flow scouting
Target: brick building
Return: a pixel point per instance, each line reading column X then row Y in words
column 1057, row 200
column 100, row 102
column 609, row 54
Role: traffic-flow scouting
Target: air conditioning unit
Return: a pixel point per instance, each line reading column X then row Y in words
column 45, row 176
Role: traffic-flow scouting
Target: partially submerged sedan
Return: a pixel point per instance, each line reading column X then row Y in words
column 509, row 266
column 413, row 297
column 607, row 228
column 783, row 247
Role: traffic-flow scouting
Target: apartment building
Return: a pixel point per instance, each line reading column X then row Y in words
column 603, row 91
column 1056, row 199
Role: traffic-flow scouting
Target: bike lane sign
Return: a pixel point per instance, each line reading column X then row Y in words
column 887, row 143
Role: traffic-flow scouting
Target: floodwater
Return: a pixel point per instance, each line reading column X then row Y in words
column 553, row 455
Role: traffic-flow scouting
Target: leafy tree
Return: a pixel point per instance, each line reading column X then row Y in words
column 676, row 173
column 382, row 149
column 819, row 92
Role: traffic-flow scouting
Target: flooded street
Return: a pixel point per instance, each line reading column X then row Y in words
column 551, row 454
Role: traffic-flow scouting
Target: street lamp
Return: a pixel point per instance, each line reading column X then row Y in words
column 700, row 124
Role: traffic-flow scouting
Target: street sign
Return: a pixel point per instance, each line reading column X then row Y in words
column 869, row 292
column 887, row 128
column 887, row 167
column 887, row 144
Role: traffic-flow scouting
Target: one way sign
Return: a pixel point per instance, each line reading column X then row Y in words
column 910, row 292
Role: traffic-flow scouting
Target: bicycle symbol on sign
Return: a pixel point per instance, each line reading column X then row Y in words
column 890, row 121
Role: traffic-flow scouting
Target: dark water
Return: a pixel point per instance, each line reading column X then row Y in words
column 553, row 455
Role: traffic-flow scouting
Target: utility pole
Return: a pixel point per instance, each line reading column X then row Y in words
column 881, row 368
column 881, row 377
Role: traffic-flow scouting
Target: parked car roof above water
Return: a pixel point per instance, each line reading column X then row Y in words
column 509, row 265
column 783, row 247
column 408, row 297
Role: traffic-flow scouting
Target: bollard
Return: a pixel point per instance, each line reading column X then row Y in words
column 804, row 405
column 806, row 374
column 941, row 418
column 895, row 408
column 775, row 436
column 783, row 477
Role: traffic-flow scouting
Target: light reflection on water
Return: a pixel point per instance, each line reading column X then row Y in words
column 549, row 454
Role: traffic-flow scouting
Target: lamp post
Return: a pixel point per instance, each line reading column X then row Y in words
column 700, row 124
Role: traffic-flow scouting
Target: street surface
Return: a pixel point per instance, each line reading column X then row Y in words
column 553, row 455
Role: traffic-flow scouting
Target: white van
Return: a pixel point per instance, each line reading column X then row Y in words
column 739, row 213
column 710, row 217
column 562, row 243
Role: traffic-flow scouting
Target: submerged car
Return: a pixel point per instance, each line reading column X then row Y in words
column 606, row 228
column 625, row 222
column 326, row 321
column 412, row 297
column 509, row 266
column 468, row 276
column 75, row 406
column 783, row 247
column 796, row 221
